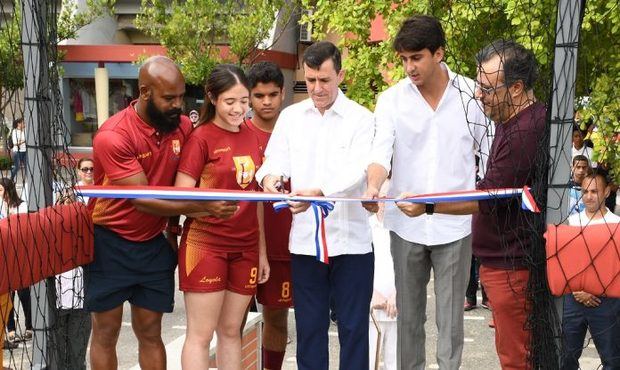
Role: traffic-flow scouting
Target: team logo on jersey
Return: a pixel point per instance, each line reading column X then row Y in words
column 245, row 169
column 144, row 155
column 176, row 146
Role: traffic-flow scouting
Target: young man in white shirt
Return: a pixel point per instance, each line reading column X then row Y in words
column 584, row 311
column 322, row 145
column 580, row 147
column 430, row 117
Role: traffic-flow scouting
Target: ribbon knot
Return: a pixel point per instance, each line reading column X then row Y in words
column 321, row 210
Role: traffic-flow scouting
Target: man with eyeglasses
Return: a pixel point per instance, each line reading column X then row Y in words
column 430, row 117
column 505, row 82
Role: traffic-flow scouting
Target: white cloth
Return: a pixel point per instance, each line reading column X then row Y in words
column 431, row 151
column 384, row 265
column 70, row 289
column 6, row 211
column 18, row 136
column 329, row 152
column 70, row 284
column 389, row 332
column 581, row 219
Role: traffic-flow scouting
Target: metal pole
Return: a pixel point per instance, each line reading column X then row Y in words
column 568, row 25
column 37, row 115
column 562, row 107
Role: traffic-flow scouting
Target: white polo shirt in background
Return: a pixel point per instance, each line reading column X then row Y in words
column 330, row 152
column 581, row 219
column 433, row 152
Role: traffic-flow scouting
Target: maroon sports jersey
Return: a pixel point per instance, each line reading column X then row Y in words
column 124, row 146
column 277, row 224
column 220, row 159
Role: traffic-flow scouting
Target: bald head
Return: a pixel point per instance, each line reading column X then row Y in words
column 162, row 88
column 157, row 70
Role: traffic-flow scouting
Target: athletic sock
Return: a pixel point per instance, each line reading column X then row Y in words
column 272, row 360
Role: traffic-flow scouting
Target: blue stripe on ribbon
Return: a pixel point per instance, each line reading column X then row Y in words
column 324, row 208
column 317, row 228
column 320, row 206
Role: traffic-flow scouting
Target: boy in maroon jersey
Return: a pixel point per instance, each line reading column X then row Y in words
column 276, row 295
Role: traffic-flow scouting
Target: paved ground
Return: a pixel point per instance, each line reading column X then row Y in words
column 479, row 350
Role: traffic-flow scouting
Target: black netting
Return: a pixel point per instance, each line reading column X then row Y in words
column 45, row 171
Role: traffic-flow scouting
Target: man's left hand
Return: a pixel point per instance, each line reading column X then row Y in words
column 299, row 207
column 410, row 209
column 587, row 299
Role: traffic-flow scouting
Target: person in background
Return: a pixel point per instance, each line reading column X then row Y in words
column 471, row 298
column 6, row 305
column 194, row 117
column 276, row 295
column 71, row 331
column 579, row 146
column 12, row 204
column 584, row 311
column 383, row 302
column 6, row 300
column 581, row 168
column 18, row 136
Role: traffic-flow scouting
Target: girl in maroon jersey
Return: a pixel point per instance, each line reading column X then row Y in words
column 220, row 260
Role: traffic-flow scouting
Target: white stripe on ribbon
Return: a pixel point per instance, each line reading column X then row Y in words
column 171, row 192
column 321, row 206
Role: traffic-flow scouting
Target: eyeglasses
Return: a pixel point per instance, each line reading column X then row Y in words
column 488, row 90
column 87, row 169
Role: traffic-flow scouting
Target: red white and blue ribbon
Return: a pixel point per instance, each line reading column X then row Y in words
column 171, row 192
column 321, row 206
column 527, row 201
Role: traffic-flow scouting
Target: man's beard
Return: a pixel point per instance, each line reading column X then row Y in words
column 163, row 122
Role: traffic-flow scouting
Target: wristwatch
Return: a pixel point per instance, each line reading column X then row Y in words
column 430, row 208
column 174, row 229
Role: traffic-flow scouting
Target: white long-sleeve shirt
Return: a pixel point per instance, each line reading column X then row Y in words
column 431, row 151
column 19, row 140
column 329, row 152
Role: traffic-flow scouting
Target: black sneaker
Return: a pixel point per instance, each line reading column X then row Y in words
column 485, row 304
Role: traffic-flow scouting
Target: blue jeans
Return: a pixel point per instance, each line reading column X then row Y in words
column 18, row 159
column 604, row 324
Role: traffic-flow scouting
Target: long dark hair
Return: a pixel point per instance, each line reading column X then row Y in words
column 222, row 78
column 10, row 193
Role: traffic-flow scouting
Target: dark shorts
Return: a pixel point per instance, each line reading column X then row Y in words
column 277, row 292
column 122, row 270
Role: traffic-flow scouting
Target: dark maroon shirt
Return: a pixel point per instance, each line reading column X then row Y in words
column 500, row 231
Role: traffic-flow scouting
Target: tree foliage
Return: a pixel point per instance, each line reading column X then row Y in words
column 471, row 24
column 194, row 30
column 69, row 21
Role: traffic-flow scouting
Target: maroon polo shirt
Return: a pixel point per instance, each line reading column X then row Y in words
column 124, row 146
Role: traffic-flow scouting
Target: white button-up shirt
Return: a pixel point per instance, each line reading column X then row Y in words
column 330, row 152
column 432, row 151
